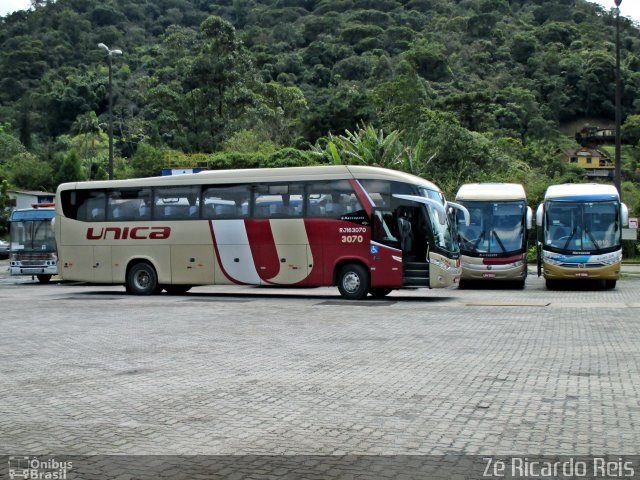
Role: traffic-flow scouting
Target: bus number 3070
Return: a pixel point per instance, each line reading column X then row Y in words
column 352, row 238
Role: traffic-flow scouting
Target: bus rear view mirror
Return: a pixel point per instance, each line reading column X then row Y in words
column 624, row 215
column 529, row 218
column 539, row 214
column 465, row 212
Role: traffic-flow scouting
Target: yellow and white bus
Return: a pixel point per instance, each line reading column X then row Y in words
column 580, row 233
column 493, row 246
column 367, row 230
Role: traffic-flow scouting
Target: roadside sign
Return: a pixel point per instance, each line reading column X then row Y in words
column 633, row 223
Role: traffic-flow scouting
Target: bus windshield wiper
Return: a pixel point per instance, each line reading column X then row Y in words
column 495, row 235
column 477, row 242
column 593, row 240
column 573, row 232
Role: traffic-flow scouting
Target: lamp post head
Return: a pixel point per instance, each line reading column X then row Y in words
column 110, row 52
column 617, row 2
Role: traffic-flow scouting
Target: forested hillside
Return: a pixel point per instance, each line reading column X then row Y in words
column 454, row 90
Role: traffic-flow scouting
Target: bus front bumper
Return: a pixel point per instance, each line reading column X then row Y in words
column 504, row 272
column 606, row 272
column 33, row 270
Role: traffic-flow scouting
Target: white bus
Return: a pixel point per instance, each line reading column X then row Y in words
column 367, row 230
column 493, row 246
column 580, row 233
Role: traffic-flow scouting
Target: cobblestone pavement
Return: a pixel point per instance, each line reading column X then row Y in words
column 89, row 370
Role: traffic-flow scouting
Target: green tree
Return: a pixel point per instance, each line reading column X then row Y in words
column 631, row 129
column 5, row 207
column 364, row 146
column 30, row 173
column 70, row 169
column 147, row 161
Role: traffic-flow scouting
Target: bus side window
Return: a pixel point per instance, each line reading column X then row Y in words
column 331, row 199
column 278, row 200
column 177, row 203
column 90, row 206
column 226, row 201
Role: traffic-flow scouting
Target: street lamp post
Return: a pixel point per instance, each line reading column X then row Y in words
column 618, row 167
column 110, row 54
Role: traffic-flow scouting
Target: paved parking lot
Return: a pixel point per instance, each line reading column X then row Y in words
column 90, row 370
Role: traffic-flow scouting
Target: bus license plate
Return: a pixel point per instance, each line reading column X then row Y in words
column 489, row 275
column 29, row 271
column 582, row 274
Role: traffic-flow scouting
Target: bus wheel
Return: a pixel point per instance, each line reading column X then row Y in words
column 552, row 284
column 609, row 284
column 353, row 282
column 142, row 279
column 46, row 278
column 379, row 292
column 177, row 289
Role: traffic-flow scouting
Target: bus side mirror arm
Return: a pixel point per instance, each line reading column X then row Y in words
column 465, row 212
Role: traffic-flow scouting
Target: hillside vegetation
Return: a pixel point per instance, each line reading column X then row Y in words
column 454, row 90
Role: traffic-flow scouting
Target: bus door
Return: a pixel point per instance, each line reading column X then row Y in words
column 385, row 250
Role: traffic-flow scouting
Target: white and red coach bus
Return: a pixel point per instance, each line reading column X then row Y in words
column 367, row 230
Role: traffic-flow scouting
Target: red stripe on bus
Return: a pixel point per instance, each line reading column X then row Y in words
column 363, row 196
column 263, row 248
column 503, row 260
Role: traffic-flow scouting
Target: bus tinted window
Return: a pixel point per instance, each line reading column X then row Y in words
column 279, row 201
column 379, row 191
column 332, row 199
column 85, row 205
column 226, row 201
column 129, row 204
column 176, row 203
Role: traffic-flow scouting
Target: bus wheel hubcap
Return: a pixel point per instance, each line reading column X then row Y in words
column 142, row 280
column 351, row 282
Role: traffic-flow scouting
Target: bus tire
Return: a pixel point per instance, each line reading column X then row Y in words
column 353, row 281
column 142, row 279
column 610, row 284
column 177, row 289
column 552, row 284
column 44, row 278
column 379, row 292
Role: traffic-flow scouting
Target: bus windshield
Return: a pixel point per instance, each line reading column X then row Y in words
column 582, row 226
column 495, row 228
column 32, row 236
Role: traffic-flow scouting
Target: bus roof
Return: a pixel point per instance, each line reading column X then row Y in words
column 491, row 191
column 258, row 175
column 581, row 191
column 32, row 214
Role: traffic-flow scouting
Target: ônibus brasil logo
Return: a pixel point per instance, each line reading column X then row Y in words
column 124, row 233
column 35, row 468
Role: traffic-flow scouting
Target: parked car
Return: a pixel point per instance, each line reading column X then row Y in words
column 4, row 249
